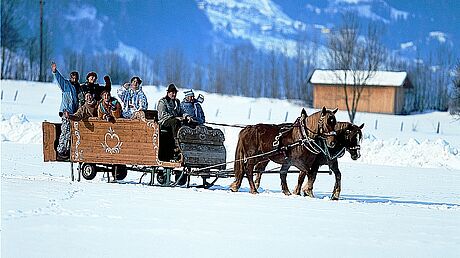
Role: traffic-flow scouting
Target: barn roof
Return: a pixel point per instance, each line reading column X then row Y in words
column 380, row 78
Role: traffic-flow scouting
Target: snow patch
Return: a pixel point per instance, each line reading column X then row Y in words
column 18, row 129
column 408, row 45
column 438, row 35
column 424, row 154
column 396, row 14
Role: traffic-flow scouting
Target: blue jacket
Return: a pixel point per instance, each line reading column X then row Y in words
column 132, row 101
column 69, row 101
column 194, row 110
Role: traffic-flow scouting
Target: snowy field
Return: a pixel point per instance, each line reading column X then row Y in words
column 400, row 199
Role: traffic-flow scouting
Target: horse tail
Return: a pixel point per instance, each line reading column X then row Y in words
column 239, row 158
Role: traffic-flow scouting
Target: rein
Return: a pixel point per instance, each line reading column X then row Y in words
column 306, row 141
column 236, row 125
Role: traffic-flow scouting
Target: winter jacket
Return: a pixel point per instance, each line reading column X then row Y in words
column 168, row 108
column 133, row 100
column 69, row 100
column 113, row 108
column 194, row 110
column 85, row 112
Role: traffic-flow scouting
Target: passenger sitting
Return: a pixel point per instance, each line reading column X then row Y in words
column 170, row 114
column 93, row 87
column 108, row 108
column 89, row 109
column 192, row 107
column 133, row 98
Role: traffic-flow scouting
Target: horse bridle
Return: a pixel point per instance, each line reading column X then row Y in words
column 349, row 137
column 306, row 141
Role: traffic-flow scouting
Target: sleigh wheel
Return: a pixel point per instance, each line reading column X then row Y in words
column 88, row 171
column 161, row 178
column 122, row 172
column 181, row 178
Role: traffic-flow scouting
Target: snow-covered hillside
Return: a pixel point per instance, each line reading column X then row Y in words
column 399, row 199
column 414, row 29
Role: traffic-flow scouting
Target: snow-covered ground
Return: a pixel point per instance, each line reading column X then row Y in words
column 400, row 199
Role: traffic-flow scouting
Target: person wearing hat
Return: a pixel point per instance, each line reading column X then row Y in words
column 69, row 103
column 133, row 98
column 170, row 113
column 93, row 87
column 193, row 108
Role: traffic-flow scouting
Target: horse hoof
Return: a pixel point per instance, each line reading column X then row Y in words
column 309, row 194
column 334, row 198
column 287, row 193
column 254, row 192
column 233, row 188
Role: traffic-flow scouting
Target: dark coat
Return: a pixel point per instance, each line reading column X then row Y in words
column 95, row 89
column 194, row 110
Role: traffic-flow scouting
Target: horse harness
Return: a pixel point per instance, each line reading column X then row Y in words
column 307, row 142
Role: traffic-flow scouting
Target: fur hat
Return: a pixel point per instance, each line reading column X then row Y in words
column 189, row 93
column 91, row 74
column 171, row 87
column 138, row 79
column 75, row 73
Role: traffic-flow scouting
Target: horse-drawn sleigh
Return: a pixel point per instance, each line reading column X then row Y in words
column 140, row 145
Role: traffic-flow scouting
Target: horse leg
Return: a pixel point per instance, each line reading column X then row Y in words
column 239, row 173
column 257, row 181
column 300, row 180
column 308, row 188
column 338, row 181
column 260, row 167
column 283, row 177
column 250, row 175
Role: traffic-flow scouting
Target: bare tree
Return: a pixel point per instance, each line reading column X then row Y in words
column 197, row 82
column 354, row 59
column 32, row 54
column 10, row 36
column 455, row 102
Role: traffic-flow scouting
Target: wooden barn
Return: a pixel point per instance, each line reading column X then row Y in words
column 384, row 92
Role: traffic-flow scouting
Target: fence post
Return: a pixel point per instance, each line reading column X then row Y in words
column 286, row 117
column 2, row 94
column 376, row 122
column 249, row 114
column 43, row 99
column 15, row 95
column 402, row 125
column 439, row 125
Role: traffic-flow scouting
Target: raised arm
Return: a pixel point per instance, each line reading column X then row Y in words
column 62, row 82
column 108, row 83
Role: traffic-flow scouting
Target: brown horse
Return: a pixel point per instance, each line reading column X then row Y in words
column 348, row 138
column 256, row 144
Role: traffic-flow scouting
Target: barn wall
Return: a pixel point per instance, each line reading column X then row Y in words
column 399, row 100
column 373, row 99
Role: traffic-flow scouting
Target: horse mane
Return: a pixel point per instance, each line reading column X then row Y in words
column 341, row 125
column 312, row 123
